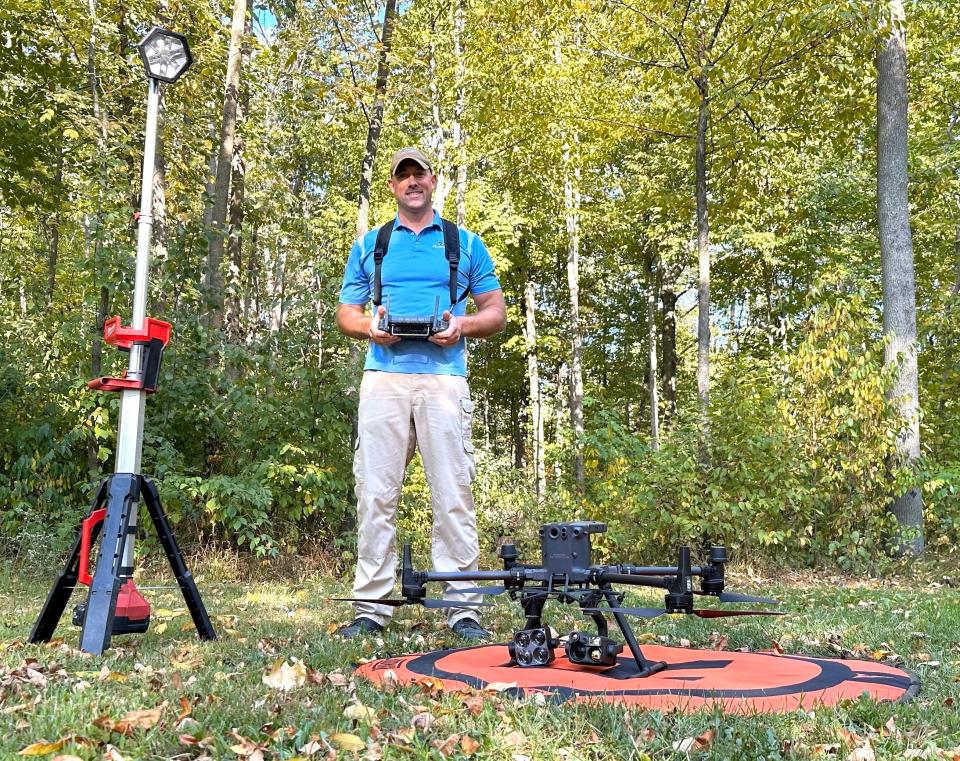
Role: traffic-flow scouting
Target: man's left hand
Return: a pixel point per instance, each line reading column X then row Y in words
column 451, row 335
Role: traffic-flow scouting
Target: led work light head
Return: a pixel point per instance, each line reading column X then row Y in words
column 165, row 54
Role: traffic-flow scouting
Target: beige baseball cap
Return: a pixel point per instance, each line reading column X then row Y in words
column 413, row 155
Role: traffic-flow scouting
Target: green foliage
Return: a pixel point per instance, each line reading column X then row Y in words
column 799, row 450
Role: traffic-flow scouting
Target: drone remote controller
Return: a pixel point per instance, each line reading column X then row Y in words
column 413, row 328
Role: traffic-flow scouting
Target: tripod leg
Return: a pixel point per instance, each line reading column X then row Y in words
column 184, row 578
column 63, row 587
column 124, row 491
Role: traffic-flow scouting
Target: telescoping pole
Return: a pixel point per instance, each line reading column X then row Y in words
column 132, row 401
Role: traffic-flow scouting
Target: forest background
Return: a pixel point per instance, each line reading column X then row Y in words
column 681, row 200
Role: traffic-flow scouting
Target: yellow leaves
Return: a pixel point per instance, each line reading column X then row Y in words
column 360, row 713
column 43, row 748
column 286, row 676
column 347, row 741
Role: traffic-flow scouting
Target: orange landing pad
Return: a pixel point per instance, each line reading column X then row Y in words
column 738, row 682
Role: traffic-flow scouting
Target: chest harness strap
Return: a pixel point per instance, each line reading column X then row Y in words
column 451, row 249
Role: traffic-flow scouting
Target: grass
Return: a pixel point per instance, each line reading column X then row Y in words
column 164, row 695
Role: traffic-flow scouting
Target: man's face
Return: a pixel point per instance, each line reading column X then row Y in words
column 413, row 187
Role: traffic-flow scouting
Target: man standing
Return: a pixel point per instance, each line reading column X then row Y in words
column 414, row 393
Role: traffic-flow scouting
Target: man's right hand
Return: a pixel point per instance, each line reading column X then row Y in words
column 378, row 336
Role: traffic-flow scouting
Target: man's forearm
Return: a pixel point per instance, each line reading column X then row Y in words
column 483, row 324
column 353, row 321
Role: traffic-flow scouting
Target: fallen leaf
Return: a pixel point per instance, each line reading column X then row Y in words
column 144, row 718
column 499, row 686
column 66, row 757
column 112, row 754
column 285, row 676
column 347, row 741
column 446, row 747
column 468, row 745
column 422, row 721
column 474, row 704
column 43, row 748
column 360, row 712
column 313, row 745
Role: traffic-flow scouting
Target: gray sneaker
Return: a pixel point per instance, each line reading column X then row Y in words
column 360, row 625
column 469, row 628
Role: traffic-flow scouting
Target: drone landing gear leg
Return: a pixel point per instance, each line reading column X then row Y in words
column 647, row 667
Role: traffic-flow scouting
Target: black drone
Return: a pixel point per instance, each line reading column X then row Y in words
column 565, row 574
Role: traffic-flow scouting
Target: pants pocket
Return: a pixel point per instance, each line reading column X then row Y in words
column 466, row 436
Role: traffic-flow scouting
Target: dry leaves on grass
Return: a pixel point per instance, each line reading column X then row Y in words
column 286, row 676
column 697, row 744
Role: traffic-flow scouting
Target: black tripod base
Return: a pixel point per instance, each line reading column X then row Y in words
column 99, row 618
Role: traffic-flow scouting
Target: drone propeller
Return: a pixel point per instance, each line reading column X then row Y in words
column 736, row 597
column 641, row 612
column 483, row 591
column 426, row 603
column 702, row 613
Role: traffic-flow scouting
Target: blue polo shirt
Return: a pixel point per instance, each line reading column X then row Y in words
column 414, row 273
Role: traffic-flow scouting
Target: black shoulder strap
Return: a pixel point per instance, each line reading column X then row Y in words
column 451, row 247
column 380, row 251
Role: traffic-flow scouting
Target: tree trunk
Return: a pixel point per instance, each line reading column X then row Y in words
column 652, row 375
column 896, row 254
column 376, row 120
column 53, row 247
column 234, row 329
column 212, row 278
column 444, row 181
column 533, row 376
column 571, row 198
column 703, row 290
column 459, row 141
column 668, row 301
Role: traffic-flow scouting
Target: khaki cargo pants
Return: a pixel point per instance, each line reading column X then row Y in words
column 398, row 413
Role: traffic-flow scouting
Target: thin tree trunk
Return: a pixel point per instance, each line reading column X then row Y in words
column 703, row 256
column 896, row 253
column 53, row 249
column 533, row 376
column 376, row 119
column 212, row 278
column 234, row 329
column 459, row 141
column 444, row 181
column 668, row 301
column 652, row 375
column 571, row 197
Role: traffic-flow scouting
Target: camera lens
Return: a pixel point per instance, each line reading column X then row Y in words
column 540, row 654
column 522, row 639
column 523, row 657
column 578, row 653
column 539, row 637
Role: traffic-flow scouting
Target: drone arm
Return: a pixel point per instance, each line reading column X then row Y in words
column 472, row 576
column 658, row 570
column 659, row 582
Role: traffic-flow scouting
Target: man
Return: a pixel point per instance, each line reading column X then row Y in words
column 414, row 393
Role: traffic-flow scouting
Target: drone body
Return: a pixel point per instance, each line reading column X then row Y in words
column 566, row 574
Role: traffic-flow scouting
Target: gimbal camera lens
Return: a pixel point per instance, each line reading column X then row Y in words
column 522, row 639
column 523, row 657
column 539, row 637
column 540, row 654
